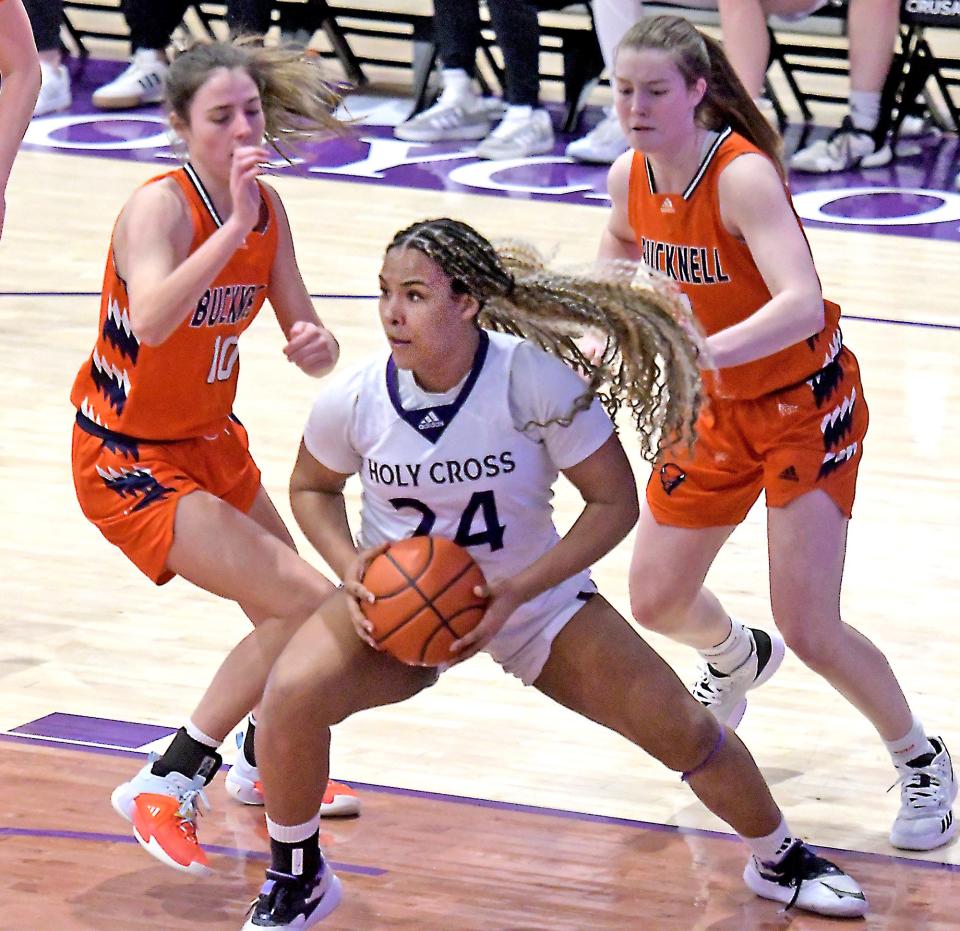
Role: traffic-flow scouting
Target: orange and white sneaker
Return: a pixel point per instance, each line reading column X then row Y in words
column 243, row 783
column 339, row 801
column 164, row 812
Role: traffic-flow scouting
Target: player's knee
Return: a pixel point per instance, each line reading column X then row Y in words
column 658, row 606
column 688, row 739
column 305, row 593
column 806, row 637
column 297, row 692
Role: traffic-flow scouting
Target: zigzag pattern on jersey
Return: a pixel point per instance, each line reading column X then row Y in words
column 839, row 422
column 112, row 382
column 112, row 441
column 825, row 382
column 835, row 427
column 833, row 461
column 136, row 482
column 118, row 332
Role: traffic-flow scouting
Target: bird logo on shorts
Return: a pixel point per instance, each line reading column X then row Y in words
column 671, row 475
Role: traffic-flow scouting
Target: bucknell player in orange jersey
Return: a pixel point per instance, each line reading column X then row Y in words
column 701, row 196
column 160, row 464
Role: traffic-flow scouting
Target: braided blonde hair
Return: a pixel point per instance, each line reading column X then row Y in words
column 650, row 360
column 298, row 101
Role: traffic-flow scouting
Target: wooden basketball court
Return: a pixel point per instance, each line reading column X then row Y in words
column 485, row 806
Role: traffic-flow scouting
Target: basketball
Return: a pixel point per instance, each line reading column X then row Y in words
column 424, row 599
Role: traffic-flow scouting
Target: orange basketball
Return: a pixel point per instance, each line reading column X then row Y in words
column 424, row 598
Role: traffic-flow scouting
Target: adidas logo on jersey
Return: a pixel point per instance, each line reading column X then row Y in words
column 430, row 422
column 667, row 206
column 789, row 474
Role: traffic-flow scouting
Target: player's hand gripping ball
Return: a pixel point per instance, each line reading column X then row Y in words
column 424, row 599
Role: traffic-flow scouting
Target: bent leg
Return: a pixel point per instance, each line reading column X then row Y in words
column 325, row 674
column 262, row 572
column 667, row 574
column 600, row 668
column 807, row 540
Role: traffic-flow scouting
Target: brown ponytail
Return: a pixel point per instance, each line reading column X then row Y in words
column 726, row 102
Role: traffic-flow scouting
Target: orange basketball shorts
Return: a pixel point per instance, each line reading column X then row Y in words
column 130, row 489
column 787, row 443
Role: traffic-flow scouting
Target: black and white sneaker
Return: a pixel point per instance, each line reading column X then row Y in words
column 725, row 695
column 804, row 880
column 928, row 789
column 294, row 902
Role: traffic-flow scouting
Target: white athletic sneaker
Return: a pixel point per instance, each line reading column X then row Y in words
column 919, row 127
column 603, row 145
column 804, row 880
column 724, row 696
column 927, row 794
column 140, row 83
column 845, row 148
column 164, row 812
column 54, row 89
column 242, row 782
column 455, row 116
column 519, row 138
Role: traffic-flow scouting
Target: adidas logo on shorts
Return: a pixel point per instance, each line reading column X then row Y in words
column 430, row 422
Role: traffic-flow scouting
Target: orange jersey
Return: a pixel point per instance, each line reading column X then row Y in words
column 683, row 236
column 185, row 386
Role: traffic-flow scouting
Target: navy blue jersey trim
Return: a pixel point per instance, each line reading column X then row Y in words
column 430, row 422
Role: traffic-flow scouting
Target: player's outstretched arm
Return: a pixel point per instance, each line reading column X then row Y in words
column 310, row 345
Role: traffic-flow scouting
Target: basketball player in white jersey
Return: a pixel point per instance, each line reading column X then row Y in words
column 462, row 432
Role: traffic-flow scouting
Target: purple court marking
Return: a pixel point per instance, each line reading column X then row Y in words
column 914, row 195
column 83, row 729
column 235, row 852
column 105, row 727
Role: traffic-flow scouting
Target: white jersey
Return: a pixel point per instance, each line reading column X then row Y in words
column 466, row 465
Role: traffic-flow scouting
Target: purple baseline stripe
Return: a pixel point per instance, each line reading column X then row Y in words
column 927, row 324
column 631, row 823
column 235, row 852
column 519, row 808
column 60, row 726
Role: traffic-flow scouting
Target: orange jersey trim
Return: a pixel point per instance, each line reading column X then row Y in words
column 184, row 387
column 682, row 236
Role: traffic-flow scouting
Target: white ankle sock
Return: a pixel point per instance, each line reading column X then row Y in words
column 864, row 109
column 199, row 736
column 518, row 113
column 293, row 833
column 770, row 849
column 732, row 652
column 456, row 82
column 913, row 744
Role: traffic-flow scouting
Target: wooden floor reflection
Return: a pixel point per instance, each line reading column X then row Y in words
column 411, row 861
